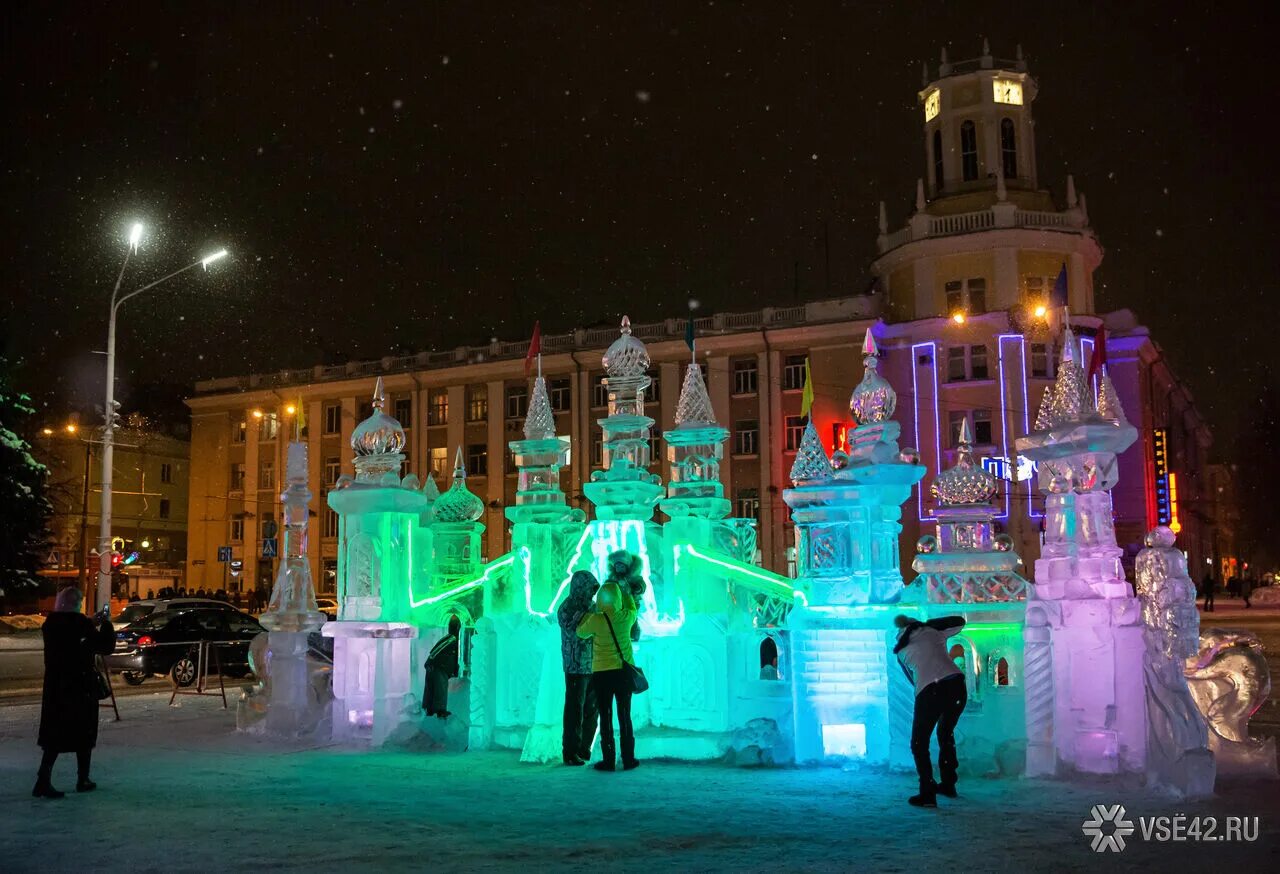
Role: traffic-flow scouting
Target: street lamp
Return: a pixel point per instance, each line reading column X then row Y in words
column 102, row 597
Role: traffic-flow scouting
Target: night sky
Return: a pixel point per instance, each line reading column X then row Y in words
column 411, row 176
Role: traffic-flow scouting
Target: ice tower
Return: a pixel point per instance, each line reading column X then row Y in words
column 379, row 515
column 968, row 569
column 846, row 512
column 1084, row 648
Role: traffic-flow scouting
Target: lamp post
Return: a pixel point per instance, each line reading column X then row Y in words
column 103, row 594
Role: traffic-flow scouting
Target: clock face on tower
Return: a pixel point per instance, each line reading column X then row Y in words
column 932, row 104
column 1008, row 91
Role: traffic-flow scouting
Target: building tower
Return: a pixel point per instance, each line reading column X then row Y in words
column 974, row 269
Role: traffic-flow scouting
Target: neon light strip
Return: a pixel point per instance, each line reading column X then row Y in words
column 937, row 428
column 1026, row 429
column 564, row 584
column 492, row 568
column 1011, row 483
column 769, row 583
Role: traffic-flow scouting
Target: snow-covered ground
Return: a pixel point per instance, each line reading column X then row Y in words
column 180, row 790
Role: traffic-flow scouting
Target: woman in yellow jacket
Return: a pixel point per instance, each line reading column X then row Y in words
column 609, row 623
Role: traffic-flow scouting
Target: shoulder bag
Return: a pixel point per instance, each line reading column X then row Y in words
column 639, row 683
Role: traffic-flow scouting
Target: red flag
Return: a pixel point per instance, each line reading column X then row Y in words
column 1098, row 360
column 535, row 347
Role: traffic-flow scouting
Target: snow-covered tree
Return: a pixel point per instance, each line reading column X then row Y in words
column 24, row 507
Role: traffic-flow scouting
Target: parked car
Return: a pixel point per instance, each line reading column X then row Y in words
column 328, row 607
column 142, row 609
column 167, row 642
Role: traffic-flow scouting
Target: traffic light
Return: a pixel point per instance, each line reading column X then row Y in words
column 116, row 559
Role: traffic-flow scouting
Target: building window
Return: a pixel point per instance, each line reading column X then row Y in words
column 238, row 430
column 438, row 406
column 955, row 364
column 478, row 459
column 1039, row 360
column 1008, row 149
column 977, row 296
column 937, row 160
column 332, row 469
column 597, row 451
column 237, row 530
column 977, row 362
column 746, row 437
column 955, row 419
column 517, row 401
column 332, row 418
column 267, row 475
column 560, row 394
column 599, row 392
column 166, row 472
column 746, row 504
column 793, row 373
column 982, row 427
column 404, row 412
column 164, row 508
column 653, row 393
column 477, row 403
column 969, row 151
column 955, row 297
column 237, row 477
column 745, row 376
column 268, row 427
column 655, row 447
column 440, row 463
column 794, row 432
column 329, row 523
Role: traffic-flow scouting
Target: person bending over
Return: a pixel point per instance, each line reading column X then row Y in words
column 940, row 698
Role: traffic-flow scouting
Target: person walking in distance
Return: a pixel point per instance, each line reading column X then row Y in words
column 579, row 697
column 69, row 705
column 921, row 649
column 609, row 626
column 1209, row 589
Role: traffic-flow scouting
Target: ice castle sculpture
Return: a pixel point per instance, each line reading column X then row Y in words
column 970, row 570
column 1085, row 705
column 847, row 699
column 1178, row 755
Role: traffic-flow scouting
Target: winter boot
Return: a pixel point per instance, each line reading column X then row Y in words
column 923, row 800
column 948, row 790
column 44, row 789
column 605, row 765
column 84, row 784
column 630, row 764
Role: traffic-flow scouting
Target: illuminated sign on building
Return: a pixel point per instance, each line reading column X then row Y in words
column 1003, row 468
column 1160, row 460
column 1174, row 525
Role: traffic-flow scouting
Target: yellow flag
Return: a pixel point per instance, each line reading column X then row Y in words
column 302, row 415
column 806, row 396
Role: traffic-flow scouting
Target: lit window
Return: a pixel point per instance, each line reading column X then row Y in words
column 793, row 373
column 268, row 427
column 332, row 469
column 969, row 151
column 332, row 418
column 560, row 394
column 477, row 403
column 238, row 430
column 329, row 523
column 237, row 477
column 745, row 376
column 517, row 401
column 237, row 530
column 746, row 437
column 478, row 459
column 955, row 296
column 794, row 432
column 440, row 464
column 438, row 406
column 267, row 475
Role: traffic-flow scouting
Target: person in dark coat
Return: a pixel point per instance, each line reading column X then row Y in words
column 69, row 706
column 442, row 663
column 580, row 716
column 1209, row 589
column 941, row 695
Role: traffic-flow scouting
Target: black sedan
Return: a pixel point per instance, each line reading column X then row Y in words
column 169, row 642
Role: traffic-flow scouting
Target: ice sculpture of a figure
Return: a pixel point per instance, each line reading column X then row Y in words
column 1229, row 681
column 1178, row 755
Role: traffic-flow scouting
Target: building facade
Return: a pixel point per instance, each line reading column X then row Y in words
column 149, row 504
column 964, row 315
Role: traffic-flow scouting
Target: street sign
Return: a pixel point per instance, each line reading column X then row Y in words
column 236, row 567
column 269, row 528
column 269, row 547
column 224, row 553
column 54, row 559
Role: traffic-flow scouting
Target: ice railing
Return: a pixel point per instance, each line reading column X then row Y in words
column 943, row 588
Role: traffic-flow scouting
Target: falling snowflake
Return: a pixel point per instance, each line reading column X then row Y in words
column 642, row 96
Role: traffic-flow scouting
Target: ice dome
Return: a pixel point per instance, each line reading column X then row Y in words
column 458, row 504
column 628, row 355
column 965, row 483
column 873, row 400
column 379, row 434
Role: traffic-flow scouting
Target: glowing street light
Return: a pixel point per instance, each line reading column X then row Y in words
column 72, row 427
column 290, row 410
column 1041, row 311
column 46, row 431
column 958, row 318
column 102, row 597
column 257, row 414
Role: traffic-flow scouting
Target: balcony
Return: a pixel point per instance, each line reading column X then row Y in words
column 923, row 226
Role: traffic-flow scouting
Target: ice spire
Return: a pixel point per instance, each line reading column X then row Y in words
column 1045, row 412
column 459, row 504
column 966, row 483
column 884, row 219
column 694, row 406
column 540, row 421
column 1108, row 401
column 1072, row 399
column 379, row 395
column 874, row 400
column 811, row 461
